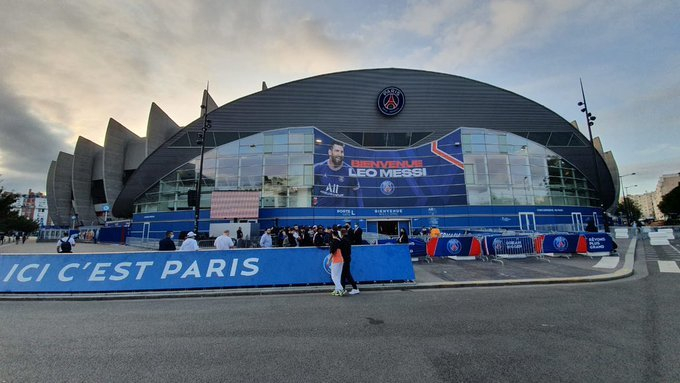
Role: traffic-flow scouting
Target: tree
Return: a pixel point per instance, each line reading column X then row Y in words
column 670, row 204
column 11, row 220
column 629, row 209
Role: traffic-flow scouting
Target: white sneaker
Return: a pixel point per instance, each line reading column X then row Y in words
column 354, row 292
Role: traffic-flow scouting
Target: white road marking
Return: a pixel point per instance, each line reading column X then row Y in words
column 668, row 267
column 607, row 263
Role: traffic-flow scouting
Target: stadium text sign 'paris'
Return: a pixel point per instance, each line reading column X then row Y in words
column 391, row 101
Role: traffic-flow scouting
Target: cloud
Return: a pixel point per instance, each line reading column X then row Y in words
column 27, row 146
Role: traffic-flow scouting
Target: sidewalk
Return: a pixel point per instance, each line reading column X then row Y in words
column 33, row 247
column 442, row 273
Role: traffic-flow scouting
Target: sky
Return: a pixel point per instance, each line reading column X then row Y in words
column 67, row 67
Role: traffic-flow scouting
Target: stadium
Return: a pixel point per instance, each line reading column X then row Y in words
column 384, row 149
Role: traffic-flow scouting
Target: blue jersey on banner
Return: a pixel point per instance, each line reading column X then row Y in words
column 428, row 175
column 334, row 186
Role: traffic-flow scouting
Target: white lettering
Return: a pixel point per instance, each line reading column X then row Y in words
column 216, row 266
column 62, row 273
column 121, row 269
column 21, row 277
column 192, row 271
column 42, row 273
column 98, row 274
column 234, row 266
column 142, row 268
column 171, row 268
column 11, row 272
column 251, row 265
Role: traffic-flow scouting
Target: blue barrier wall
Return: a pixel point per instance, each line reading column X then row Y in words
column 112, row 234
column 144, row 271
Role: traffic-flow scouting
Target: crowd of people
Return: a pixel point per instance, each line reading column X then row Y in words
column 15, row 237
column 338, row 238
column 317, row 235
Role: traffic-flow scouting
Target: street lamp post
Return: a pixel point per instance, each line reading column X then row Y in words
column 626, row 201
column 589, row 120
column 199, row 178
column 623, row 190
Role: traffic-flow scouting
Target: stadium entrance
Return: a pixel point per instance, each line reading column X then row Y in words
column 389, row 227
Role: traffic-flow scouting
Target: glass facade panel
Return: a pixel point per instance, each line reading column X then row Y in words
column 508, row 169
column 500, row 169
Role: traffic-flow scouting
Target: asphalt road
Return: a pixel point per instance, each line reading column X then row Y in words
column 620, row 331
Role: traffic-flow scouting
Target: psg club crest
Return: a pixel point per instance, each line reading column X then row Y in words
column 560, row 243
column 453, row 246
column 391, row 101
column 387, row 187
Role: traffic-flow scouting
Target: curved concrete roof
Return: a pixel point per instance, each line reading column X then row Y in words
column 51, row 194
column 346, row 102
column 116, row 141
column 61, row 190
column 83, row 160
column 159, row 129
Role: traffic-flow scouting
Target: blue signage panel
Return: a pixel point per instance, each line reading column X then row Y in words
column 456, row 246
column 598, row 242
column 560, row 243
column 496, row 245
column 195, row 270
column 429, row 175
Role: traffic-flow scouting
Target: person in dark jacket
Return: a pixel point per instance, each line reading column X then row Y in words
column 403, row 237
column 346, row 248
column 591, row 228
column 318, row 237
column 167, row 244
column 357, row 235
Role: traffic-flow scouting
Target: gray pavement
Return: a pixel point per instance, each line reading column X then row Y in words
column 442, row 273
column 618, row 331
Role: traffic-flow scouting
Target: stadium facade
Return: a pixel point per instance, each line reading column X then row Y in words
column 382, row 148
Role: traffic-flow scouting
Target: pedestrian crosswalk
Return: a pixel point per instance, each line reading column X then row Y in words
column 668, row 266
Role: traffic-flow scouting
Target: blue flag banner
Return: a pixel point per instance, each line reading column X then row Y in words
column 147, row 271
column 560, row 243
column 501, row 245
column 598, row 242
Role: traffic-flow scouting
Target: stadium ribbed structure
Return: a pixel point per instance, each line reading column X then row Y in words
column 465, row 153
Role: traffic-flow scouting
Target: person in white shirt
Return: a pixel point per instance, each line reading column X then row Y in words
column 224, row 241
column 66, row 244
column 266, row 240
column 189, row 243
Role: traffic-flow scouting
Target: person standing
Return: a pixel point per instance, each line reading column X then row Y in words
column 336, row 262
column 224, row 241
column 239, row 238
column 318, row 237
column 350, row 232
column 346, row 276
column 403, row 237
column 65, row 244
column 591, row 228
column 357, row 235
column 167, row 244
column 189, row 243
column 266, row 239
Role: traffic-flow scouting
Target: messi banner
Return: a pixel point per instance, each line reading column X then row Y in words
column 428, row 175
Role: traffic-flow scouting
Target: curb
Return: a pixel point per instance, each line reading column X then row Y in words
column 624, row 272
